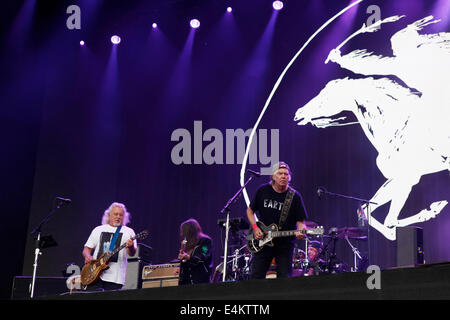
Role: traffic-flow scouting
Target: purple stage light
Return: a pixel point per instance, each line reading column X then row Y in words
column 195, row 23
column 115, row 39
column 277, row 5
column 229, row 9
column 81, row 43
column 154, row 26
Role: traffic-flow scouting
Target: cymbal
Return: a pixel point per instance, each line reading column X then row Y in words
column 351, row 232
column 310, row 224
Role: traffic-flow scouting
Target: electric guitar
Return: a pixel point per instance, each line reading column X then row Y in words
column 92, row 270
column 271, row 232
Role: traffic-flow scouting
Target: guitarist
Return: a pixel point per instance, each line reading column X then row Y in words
column 268, row 203
column 195, row 256
column 112, row 233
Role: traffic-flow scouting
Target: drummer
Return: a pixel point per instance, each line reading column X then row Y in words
column 315, row 264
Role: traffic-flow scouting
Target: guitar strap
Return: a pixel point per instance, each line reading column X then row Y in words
column 286, row 207
column 114, row 239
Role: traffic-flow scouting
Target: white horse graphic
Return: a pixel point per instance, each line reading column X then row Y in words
column 408, row 127
column 408, row 145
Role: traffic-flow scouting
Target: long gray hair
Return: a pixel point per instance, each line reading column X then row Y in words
column 126, row 214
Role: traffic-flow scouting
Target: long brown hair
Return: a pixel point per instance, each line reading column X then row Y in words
column 192, row 231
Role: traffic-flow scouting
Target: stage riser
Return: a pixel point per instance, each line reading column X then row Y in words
column 425, row 282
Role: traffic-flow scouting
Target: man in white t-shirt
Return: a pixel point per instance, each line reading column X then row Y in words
column 100, row 241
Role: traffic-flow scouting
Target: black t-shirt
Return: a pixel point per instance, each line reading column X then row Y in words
column 268, row 204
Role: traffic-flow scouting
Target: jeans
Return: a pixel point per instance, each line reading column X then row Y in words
column 283, row 258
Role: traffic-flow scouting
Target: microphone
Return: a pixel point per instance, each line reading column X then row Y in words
column 321, row 191
column 63, row 200
column 258, row 174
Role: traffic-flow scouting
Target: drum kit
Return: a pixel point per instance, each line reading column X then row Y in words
column 320, row 251
column 314, row 255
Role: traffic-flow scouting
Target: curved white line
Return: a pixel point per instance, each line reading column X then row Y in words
column 244, row 161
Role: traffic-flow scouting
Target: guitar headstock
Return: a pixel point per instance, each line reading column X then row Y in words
column 316, row 231
column 142, row 235
column 183, row 244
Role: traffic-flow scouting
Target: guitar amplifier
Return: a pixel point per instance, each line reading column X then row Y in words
column 159, row 283
column 143, row 254
column 160, row 275
column 136, row 263
column 156, row 271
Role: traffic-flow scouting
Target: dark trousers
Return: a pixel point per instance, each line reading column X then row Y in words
column 101, row 285
column 283, row 259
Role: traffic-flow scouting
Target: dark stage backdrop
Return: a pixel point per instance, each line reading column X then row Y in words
column 109, row 117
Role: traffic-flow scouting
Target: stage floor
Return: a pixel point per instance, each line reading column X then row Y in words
column 430, row 281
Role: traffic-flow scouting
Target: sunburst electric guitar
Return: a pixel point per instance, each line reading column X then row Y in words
column 92, row 270
column 271, row 232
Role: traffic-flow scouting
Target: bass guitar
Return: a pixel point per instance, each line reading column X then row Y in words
column 92, row 270
column 271, row 232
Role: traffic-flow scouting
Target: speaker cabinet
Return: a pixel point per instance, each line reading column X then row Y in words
column 143, row 253
column 43, row 286
column 409, row 247
column 136, row 263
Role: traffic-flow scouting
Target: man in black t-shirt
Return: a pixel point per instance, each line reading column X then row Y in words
column 268, row 203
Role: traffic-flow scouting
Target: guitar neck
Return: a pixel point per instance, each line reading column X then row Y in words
column 286, row 233
column 112, row 253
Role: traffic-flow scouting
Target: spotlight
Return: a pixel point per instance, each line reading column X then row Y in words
column 154, row 26
column 115, row 39
column 195, row 23
column 81, row 43
column 277, row 5
column 229, row 9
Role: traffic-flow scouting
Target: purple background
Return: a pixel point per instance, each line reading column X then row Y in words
column 94, row 123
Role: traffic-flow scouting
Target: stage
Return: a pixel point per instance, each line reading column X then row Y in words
column 182, row 110
column 430, row 281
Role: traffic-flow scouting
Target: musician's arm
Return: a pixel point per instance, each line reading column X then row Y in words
column 131, row 250
column 251, row 216
column 131, row 247
column 300, row 226
column 201, row 253
column 252, row 219
column 87, row 254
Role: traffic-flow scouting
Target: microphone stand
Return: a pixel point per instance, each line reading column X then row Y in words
column 325, row 191
column 37, row 251
column 227, row 210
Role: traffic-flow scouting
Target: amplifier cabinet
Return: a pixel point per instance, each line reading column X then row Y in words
column 158, row 283
column 157, row 271
column 160, row 275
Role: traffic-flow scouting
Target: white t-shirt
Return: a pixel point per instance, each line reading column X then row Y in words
column 100, row 240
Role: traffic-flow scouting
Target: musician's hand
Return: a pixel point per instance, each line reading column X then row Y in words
column 87, row 259
column 129, row 243
column 299, row 235
column 177, row 271
column 183, row 256
column 258, row 233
